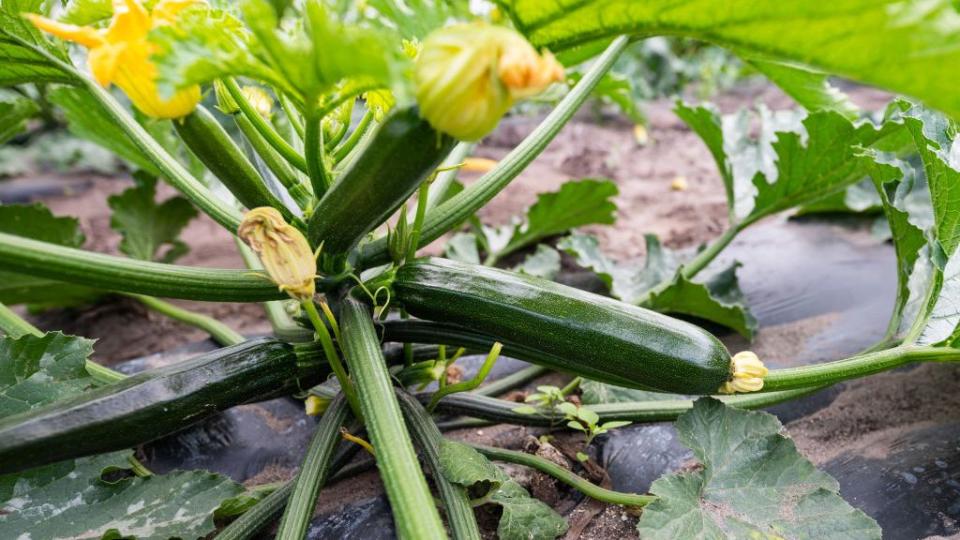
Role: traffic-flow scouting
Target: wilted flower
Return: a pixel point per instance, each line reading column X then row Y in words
column 747, row 374
column 283, row 250
column 120, row 54
column 469, row 75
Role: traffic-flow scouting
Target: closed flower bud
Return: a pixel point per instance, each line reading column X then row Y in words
column 469, row 75
column 283, row 250
column 747, row 373
column 120, row 53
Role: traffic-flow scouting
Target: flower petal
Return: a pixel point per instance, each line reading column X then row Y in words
column 84, row 35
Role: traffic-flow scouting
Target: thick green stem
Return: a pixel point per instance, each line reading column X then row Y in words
column 456, row 501
column 266, row 130
column 341, row 151
column 498, row 410
column 548, row 467
column 858, row 366
column 14, row 326
column 173, row 172
column 459, row 208
column 448, row 173
column 288, row 177
column 121, row 274
column 221, row 333
column 313, row 473
column 293, row 115
column 333, row 358
column 511, row 381
column 466, row 386
column 414, row 513
column 313, row 149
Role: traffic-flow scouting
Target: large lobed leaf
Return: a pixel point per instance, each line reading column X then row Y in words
column 147, row 226
column 15, row 110
column 753, row 484
column 908, row 46
column 660, row 285
column 25, row 55
column 71, row 499
column 523, row 518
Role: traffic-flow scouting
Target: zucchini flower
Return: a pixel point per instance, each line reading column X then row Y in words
column 747, row 373
column 120, row 54
column 283, row 250
column 469, row 75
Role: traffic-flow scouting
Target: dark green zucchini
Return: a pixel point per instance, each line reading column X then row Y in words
column 155, row 403
column 575, row 331
column 207, row 139
column 402, row 153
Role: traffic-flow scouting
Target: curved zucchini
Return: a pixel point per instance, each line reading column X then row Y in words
column 576, row 331
column 155, row 403
column 207, row 139
column 403, row 151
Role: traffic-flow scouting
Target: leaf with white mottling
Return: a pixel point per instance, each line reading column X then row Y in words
column 38, row 370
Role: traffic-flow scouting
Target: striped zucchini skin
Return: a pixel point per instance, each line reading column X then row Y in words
column 578, row 332
column 152, row 404
column 403, row 152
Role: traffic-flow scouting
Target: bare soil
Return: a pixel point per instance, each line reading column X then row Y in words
column 866, row 414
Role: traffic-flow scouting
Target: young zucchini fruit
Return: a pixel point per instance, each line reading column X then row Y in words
column 204, row 136
column 157, row 402
column 402, row 153
column 575, row 331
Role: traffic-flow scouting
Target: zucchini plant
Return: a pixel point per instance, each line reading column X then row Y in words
column 327, row 136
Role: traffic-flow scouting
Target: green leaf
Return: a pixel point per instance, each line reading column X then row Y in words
column 87, row 119
column 754, row 483
column 575, row 204
column 543, row 263
column 860, row 198
column 147, row 226
column 660, row 285
column 87, row 12
column 619, row 90
column 526, row 518
column 719, row 299
column 936, row 141
column 37, row 222
column 811, row 89
column 26, row 55
column 70, row 499
column 15, row 110
column 908, row 47
column 463, row 247
column 466, row 467
column 523, row 518
column 39, row 370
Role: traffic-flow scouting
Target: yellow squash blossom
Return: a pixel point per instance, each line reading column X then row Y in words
column 747, row 373
column 283, row 250
column 469, row 75
column 120, row 54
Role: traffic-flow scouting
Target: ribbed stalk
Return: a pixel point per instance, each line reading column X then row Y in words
column 14, row 326
column 414, row 513
column 426, row 436
column 498, row 410
column 313, row 473
column 266, row 130
column 341, row 151
column 458, row 209
column 173, row 172
column 288, row 177
column 207, row 139
column 121, row 274
column 268, row 509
